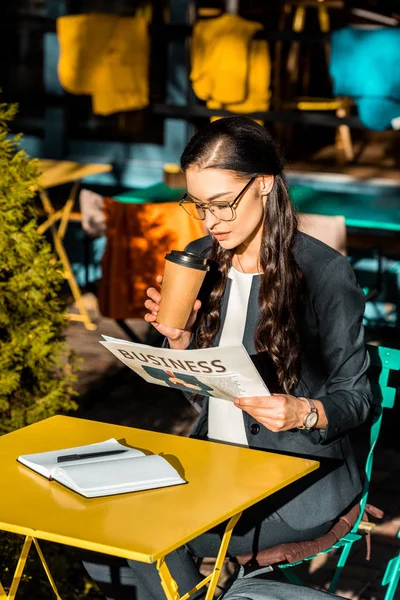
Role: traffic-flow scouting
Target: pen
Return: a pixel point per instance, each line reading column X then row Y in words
column 68, row 457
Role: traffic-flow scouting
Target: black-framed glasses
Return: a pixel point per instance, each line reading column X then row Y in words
column 223, row 211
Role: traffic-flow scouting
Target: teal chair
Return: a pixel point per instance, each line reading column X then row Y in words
column 391, row 577
column 383, row 362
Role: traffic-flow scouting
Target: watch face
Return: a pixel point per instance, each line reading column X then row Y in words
column 311, row 420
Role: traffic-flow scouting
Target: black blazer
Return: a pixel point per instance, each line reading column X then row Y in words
column 334, row 362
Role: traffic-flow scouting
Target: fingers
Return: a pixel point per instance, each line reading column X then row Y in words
column 193, row 316
column 277, row 412
column 154, row 300
column 260, row 401
column 270, row 408
column 152, row 303
column 269, row 419
column 259, row 412
column 153, row 307
column 154, row 295
column 150, row 317
column 197, row 305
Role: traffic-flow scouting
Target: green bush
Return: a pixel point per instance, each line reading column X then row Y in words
column 36, row 371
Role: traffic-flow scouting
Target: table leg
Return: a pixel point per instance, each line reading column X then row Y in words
column 169, row 584
column 47, row 570
column 221, row 556
column 53, row 218
column 343, row 133
column 69, row 205
column 59, row 247
column 69, row 276
column 20, row 569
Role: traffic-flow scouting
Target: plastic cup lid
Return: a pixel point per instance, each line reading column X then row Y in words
column 188, row 259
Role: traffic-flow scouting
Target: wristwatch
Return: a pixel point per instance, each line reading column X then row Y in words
column 311, row 418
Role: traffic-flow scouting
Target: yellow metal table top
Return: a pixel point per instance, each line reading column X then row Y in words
column 58, row 172
column 222, row 481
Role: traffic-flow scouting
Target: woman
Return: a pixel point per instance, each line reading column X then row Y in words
column 295, row 303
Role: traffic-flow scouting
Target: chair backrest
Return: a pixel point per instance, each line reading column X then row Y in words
column 92, row 211
column 328, row 229
column 384, row 362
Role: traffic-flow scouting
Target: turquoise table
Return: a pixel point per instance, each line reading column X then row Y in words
column 159, row 192
column 366, row 212
column 372, row 217
column 361, row 210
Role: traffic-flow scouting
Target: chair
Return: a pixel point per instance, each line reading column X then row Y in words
column 328, row 229
column 391, row 577
column 351, row 526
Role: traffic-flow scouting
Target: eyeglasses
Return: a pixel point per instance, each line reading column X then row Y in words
column 223, row 211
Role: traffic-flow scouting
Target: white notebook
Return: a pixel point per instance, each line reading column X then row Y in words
column 124, row 470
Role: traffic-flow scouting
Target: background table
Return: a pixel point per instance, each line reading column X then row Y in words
column 372, row 219
column 368, row 216
column 143, row 526
column 55, row 173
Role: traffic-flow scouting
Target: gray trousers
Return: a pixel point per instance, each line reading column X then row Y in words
column 128, row 580
column 258, row 589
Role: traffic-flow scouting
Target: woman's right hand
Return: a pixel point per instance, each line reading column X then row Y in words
column 178, row 339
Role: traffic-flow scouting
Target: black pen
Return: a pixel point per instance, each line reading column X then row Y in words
column 68, row 457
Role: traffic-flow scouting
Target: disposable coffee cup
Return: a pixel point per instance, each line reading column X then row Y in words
column 184, row 274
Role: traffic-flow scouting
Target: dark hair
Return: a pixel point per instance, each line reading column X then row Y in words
column 240, row 145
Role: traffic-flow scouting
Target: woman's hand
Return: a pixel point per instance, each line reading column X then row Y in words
column 178, row 338
column 280, row 412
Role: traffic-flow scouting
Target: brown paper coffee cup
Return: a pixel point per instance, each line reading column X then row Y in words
column 184, row 274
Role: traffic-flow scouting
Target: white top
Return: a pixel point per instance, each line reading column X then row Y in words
column 225, row 420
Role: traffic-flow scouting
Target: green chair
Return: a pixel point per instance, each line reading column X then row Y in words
column 383, row 362
column 391, row 577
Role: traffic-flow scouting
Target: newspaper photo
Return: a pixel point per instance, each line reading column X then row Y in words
column 222, row 372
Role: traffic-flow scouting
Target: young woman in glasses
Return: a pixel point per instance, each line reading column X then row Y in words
column 292, row 301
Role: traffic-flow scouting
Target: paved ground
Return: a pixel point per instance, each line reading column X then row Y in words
column 111, row 392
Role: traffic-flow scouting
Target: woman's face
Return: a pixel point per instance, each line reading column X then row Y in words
column 221, row 186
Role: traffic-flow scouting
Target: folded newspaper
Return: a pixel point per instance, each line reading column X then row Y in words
column 223, row 372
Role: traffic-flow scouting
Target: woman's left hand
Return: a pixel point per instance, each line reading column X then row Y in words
column 278, row 412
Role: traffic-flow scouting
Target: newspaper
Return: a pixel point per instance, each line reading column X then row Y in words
column 223, row 372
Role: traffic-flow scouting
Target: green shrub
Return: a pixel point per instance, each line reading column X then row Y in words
column 36, row 371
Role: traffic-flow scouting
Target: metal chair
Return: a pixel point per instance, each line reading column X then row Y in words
column 391, row 577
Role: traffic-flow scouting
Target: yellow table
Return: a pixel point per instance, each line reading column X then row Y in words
column 143, row 526
column 54, row 173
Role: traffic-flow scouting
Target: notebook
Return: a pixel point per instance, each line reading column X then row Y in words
column 103, row 469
